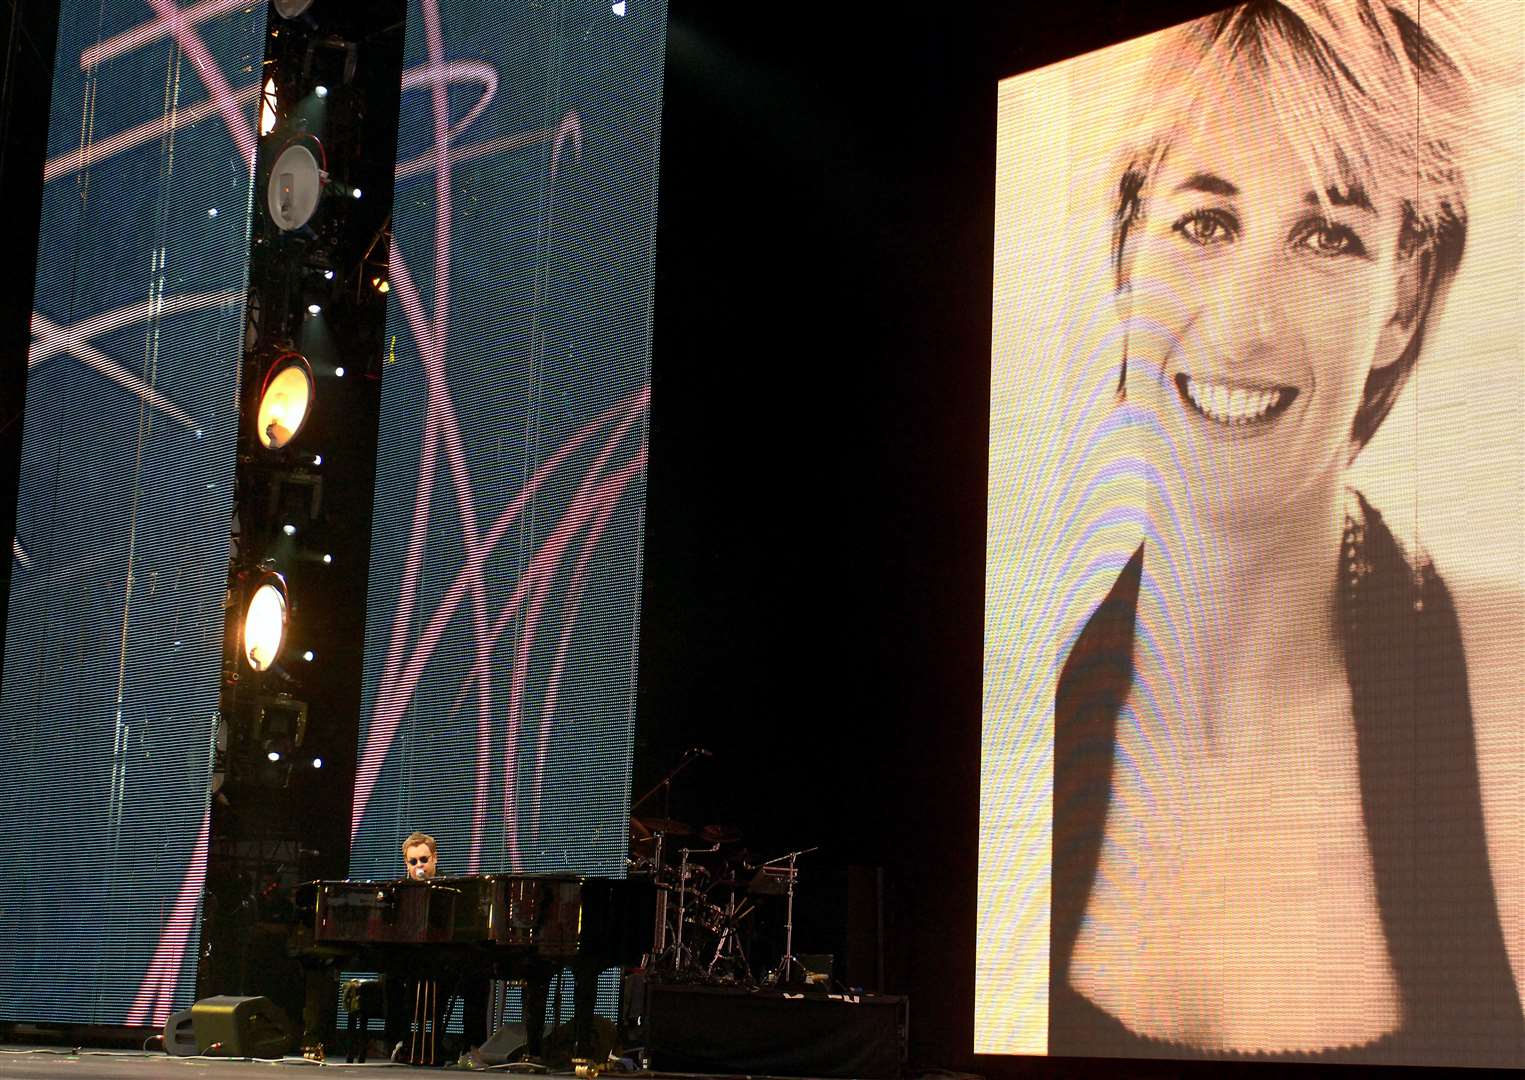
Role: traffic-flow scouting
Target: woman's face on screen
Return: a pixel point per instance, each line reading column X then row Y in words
column 1258, row 302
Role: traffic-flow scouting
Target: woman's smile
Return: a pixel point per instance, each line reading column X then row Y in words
column 1242, row 407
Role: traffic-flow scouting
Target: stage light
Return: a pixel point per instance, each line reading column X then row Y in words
column 265, row 622
column 327, row 558
column 321, row 91
column 273, row 755
column 285, row 401
column 289, row 529
column 314, row 309
column 290, row 9
column 328, row 275
column 356, row 193
column 317, row 763
column 339, row 372
column 308, row 655
column 267, row 114
column 211, row 211
column 381, row 285
column 296, row 181
column 317, row 459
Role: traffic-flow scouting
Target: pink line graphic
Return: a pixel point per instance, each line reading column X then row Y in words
column 618, row 461
column 156, row 996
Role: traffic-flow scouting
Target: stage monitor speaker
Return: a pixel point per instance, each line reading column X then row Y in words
column 179, row 1038
column 252, row 1027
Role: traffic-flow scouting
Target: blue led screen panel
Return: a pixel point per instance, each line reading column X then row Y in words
column 1252, row 765
column 501, row 623
column 113, row 648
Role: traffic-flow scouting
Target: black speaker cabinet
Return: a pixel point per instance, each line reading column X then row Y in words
column 241, row 1027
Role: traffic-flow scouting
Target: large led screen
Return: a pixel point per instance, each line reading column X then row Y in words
column 1253, row 773
column 499, row 689
column 113, row 646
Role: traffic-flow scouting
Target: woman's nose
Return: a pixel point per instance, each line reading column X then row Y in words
column 1251, row 316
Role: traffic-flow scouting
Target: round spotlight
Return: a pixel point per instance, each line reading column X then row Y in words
column 289, row 529
column 339, row 372
column 285, row 401
column 292, row 192
column 327, row 558
column 317, row 763
column 356, row 193
column 308, row 656
column 211, row 211
column 265, row 622
column 272, row 755
column 314, row 309
column 328, row 275
column 317, row 459
column 321, row 91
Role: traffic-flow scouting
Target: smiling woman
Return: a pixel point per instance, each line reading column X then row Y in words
column 1269, row 826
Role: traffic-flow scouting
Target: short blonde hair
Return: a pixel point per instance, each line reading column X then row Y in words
column 420, row 838
column 1371, row 99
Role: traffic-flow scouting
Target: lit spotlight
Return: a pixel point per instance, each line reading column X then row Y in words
column 289, row 529
column 273, row 755
column 339, row 372
column 267, row 115
column 211, row 211
column 356, row 193
column 321, row 91
column 285, row 400
column 308, row 656
column 317, row 459
column 265, row 622
column 327, row 558
column 314, row 309
column 317, row 763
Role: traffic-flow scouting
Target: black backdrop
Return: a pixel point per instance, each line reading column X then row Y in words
column 816, row 503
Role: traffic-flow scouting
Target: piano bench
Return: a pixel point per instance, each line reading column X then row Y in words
column 363, row 999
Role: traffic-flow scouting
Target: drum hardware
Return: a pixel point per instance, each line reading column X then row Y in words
column 683, row 879
column 788, row 962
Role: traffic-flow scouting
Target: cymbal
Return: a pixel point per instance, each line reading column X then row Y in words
column 644, row 828
column 720, row 834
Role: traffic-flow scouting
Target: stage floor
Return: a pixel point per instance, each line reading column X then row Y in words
column 49, row 1063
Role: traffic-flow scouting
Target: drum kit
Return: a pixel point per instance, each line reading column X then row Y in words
column 708, row 886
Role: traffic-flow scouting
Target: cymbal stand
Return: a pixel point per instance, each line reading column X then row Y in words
column 677, row 961
column 789, row 961
column 659, row 932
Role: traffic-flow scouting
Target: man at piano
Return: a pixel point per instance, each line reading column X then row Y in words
column 413, row 1003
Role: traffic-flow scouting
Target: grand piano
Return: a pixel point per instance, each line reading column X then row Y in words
column 453, row 930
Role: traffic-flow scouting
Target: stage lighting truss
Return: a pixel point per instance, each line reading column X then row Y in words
column 296, row 180
column 265, row 621
column 285, row 400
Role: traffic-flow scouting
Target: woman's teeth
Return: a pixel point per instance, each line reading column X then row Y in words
column 1234, row 405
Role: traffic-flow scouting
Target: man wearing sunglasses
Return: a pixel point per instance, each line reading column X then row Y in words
column 420, row 856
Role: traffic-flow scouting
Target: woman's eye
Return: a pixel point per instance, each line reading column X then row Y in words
column 1327, row 239
column 1206, row 227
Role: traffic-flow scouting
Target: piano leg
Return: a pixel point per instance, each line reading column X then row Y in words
column 584, row 1002
column 537, row 992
